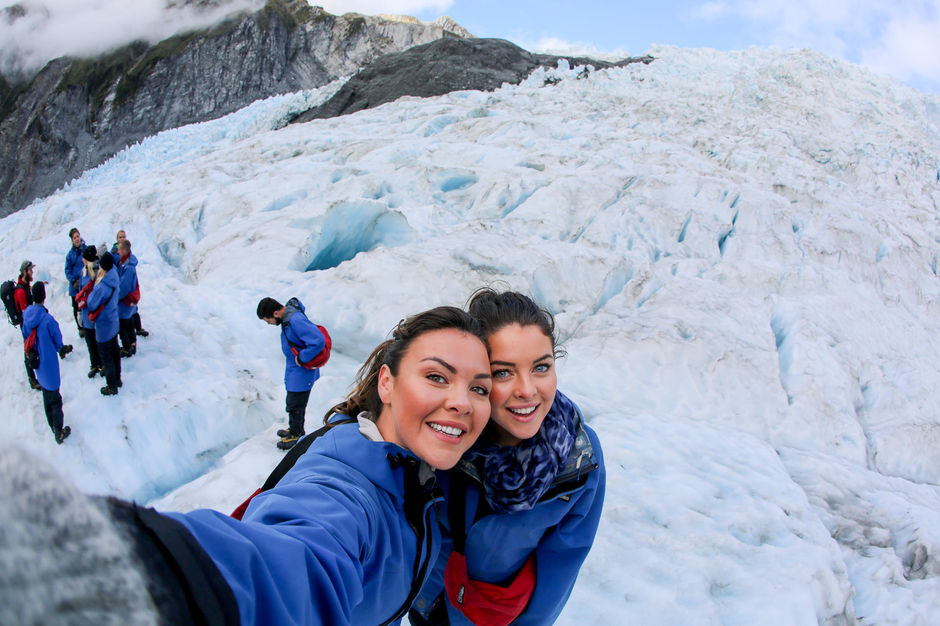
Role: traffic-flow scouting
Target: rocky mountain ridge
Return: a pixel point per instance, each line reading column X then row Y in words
column 442, row 66
column 76, row 113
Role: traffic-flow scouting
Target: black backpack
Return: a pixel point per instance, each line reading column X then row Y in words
column 7, row 289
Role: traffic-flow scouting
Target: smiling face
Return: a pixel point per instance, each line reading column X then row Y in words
column 438, row 403
column 524, row 382
column 76, row 239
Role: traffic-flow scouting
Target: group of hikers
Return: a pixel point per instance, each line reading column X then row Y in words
column 454, row 484
column 104, row 291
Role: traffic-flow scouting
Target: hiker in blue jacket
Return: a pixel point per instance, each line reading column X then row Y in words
column 297, row 333
column 525, row 502
column 116, row 253
column 73, row 272
column 103, row 306
column 86, row 284
column 346, row 536
column 128, row 293
column 49, row 344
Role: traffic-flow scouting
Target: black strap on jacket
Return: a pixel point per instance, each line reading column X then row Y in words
column 290, row 459
column 417, row 513
column 457, row 510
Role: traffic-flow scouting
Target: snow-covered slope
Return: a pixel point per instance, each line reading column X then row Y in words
column 741, row 250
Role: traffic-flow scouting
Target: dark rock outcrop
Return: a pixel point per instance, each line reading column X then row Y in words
column 76, row 113
column 440, row 67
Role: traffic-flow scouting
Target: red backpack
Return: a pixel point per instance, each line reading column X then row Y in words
column 133, row 297
column 31, row 350
column 321, row 357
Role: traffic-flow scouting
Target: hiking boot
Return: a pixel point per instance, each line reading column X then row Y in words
column 142, row 332
column 95, row 371
column 109, row 391
column 35, row 385
column 125, row 353
column 286, row 443
column 283, row 432
column 81, row 332
column 63, row 434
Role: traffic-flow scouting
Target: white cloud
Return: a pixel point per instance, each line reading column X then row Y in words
column 558, row 46
column 53, row 28
column 909, row 49
column 898, row 38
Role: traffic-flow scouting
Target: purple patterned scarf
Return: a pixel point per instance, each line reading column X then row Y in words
column 515, row 477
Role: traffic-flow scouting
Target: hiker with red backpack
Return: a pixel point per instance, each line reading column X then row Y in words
column 103, row 305
column 41, row 332
column 22, row 299
column 305, row 347
column 135, row 317
column 128, row 296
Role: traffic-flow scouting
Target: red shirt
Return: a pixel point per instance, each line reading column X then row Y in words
column 19, row 295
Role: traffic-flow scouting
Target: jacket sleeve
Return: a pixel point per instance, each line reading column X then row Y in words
column 562, row 551
column 73, row 265
column 561, row 531
column 99, row 295
column 296, row 557
column 55, row 334
column 308, row 336
column 128, row 282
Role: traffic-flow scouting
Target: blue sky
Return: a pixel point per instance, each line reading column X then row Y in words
column 898, row 37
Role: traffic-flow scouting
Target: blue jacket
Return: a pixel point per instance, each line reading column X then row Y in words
column 560, row 528
column 49, row 342
column 127, row 272
column 105, row 292
column 298, row 330
column 84, row 280
column 73, row 266
column 330, row 543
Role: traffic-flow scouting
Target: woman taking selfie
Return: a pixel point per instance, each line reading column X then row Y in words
column 525, row 502
column 349, row 534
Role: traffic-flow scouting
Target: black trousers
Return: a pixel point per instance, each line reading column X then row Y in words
column 92, row 346
column 76, row 314
column 296, row 409
column 127, row 334
column 136, row 318
column 30, row 372
column 111, row 361
column 52, row 403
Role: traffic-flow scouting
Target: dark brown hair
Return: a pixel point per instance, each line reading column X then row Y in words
column 495, row 310
column 267, row 307
column 365, row 393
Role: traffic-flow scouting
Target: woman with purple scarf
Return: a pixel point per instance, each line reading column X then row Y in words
column 525, row 502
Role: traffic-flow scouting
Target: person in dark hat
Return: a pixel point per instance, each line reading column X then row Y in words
column 86, row 284
column 48, row 342
column 103, row 306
